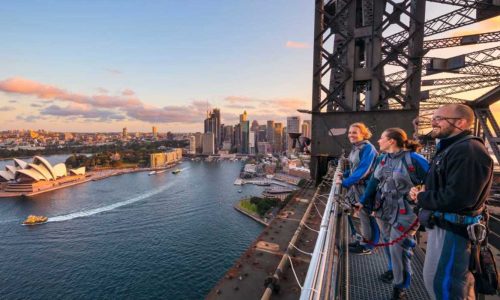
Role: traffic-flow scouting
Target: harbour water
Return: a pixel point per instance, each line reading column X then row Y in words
column 131, row 236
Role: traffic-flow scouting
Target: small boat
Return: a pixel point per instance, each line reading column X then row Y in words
column 161, row 171
column 176, row 171
column 239, row 191
column 34, row 220
column 152, row 173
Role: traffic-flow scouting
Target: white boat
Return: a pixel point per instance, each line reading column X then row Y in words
column 157, row 172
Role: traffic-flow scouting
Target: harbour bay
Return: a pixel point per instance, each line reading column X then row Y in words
column 134, row 235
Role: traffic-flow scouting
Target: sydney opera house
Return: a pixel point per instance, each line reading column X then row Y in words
column 36, row 176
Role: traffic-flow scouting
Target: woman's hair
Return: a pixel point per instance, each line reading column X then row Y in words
column 402, row 141
column 365, row 132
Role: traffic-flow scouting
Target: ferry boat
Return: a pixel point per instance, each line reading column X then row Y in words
column 176, row 171
column 157, row 172
column 34, row 220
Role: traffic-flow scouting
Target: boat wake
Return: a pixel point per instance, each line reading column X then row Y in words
column 94, row 211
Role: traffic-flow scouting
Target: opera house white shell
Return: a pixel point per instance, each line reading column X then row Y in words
column 39, row 170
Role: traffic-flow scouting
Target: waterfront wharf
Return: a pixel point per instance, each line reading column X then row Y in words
column 262, row 182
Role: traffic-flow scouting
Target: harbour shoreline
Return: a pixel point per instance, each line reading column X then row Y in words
column 91, row 176
column 257, row 219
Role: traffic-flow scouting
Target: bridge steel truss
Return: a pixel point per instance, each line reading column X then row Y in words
column 371, row 56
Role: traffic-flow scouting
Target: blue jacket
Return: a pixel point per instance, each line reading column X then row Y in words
column 367, row 156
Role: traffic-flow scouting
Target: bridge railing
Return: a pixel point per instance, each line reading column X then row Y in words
column 323, row 279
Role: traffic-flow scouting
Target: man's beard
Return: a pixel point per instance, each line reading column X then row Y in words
column 442, row 134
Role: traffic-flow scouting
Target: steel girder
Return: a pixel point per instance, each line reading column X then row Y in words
column 481, row 38
column 358, row 42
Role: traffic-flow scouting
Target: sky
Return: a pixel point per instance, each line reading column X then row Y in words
column 103, row 65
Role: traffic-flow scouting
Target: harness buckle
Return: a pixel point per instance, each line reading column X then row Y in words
column 476, row 232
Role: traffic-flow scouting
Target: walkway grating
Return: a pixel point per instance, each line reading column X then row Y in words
column 365, row 269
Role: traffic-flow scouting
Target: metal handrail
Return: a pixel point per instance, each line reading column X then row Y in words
column 323, row 278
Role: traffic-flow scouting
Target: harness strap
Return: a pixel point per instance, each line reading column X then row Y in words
column 458, row 219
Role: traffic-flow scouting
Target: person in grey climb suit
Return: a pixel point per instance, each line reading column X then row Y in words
column 453, row 198
column 397, row 170
column 361, row 160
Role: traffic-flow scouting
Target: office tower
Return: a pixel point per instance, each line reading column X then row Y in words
column 208, row 143
column 192, row 144
column 270, row 133
column 244, row 133
column 244, row 117
column 284, row 139
column 222, row 133
column 199, row 142
column 124, row 133
column 251, row 142
column 306, row 128
column 277, row 138
column 237, row 137
column 155, row 132
column 255, row 126
column 293, row 126
column 212, row 124
column 261, row 135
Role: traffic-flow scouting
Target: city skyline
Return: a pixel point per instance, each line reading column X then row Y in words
column 103, row 66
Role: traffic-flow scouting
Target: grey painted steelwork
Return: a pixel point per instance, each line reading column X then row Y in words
column 369, row 56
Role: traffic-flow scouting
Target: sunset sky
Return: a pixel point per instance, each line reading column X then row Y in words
column 103, row 65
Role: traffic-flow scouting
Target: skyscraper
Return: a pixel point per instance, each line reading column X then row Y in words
column 251, row 142
column 124, row 133
column 237, row 137
column 261, row 137
column 212, row 124
column 192, row 144
column 155, row 133
column 277, row 138
column 270, row 132
column 244, row 133
column 292, row 126
column 208, row 143
column 244, row 117
column 255, row 126
column 306, row 128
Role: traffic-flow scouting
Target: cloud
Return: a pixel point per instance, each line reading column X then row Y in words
column 17, row 85
column 238, row 106
column 128, row 92
column 114, row 71
column 36, row 105
column 7, row 108
column 30, row 118
column 239, row 99
column 290, row 103
column 296, row 45
column 81, row 111
column 12, row 101
column 193, row 113
column 102, row 90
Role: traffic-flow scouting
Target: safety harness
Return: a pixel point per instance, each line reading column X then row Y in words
column 456, row 223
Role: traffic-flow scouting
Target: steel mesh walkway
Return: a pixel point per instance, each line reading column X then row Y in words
column 365, row 269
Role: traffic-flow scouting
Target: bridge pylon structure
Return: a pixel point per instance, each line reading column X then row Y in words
column 371, row 64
